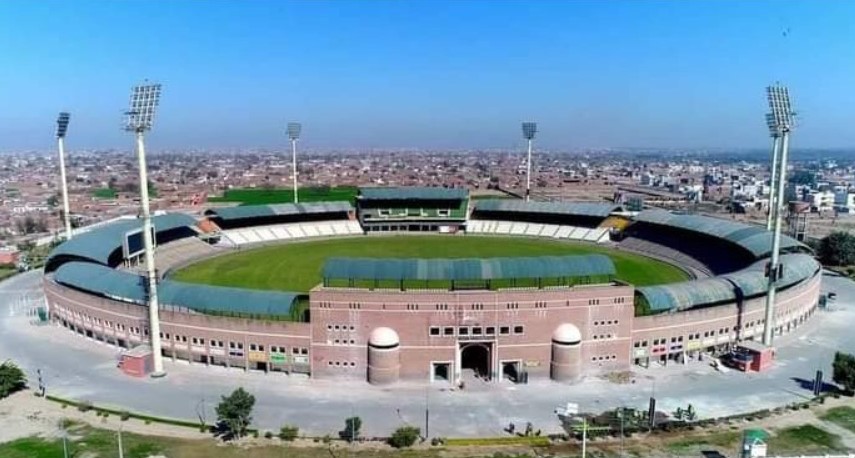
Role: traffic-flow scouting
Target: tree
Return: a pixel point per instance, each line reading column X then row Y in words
column 405, row 436
column 12, row 379
column 289, row 433
column 844, row 371
column 352, row 428
column 837, row 249
column 234, row 413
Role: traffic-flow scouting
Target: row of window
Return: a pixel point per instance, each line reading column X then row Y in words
column 342, row 341
column 467, row 331
column 604, row 358
column 477, row 306
column 340, row 327
column 212, row 343
column 341, row 363
column 606, row 323
column 603, row 336
column 697, row 335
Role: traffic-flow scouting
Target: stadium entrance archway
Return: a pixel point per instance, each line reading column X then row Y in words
column 476, row 357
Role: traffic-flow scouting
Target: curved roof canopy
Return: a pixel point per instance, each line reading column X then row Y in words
column 130, row 287
column 98, row 244
column 748, row 282
column 468, row 269
column 755, row 239
column 263, row 211
column 594, row 209
column 412, row 193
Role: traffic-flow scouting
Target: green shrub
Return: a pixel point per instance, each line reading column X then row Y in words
column 405, row 436
column 124, row 415
column 84, row 406
column 289, row 432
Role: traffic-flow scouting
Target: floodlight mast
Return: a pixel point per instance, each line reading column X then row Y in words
column 144, row 101
column 782, row 115
column 294, row 129
column 529, row 129
column 773, row 184
column 61, row 130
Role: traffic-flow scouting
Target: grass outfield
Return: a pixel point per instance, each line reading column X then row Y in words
column 260, row 196
column 297, row 266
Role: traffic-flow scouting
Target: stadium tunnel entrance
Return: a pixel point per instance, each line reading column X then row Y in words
column 476, row 357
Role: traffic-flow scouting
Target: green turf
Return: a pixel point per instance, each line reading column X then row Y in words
column 260, row 196
column 297, row 266
column 843, row 416
column 804, row 439
column 104, row 193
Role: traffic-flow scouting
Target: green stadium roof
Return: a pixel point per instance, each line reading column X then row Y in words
column 98, row 244
column 129, row 287
column 755, row 239
column 261, row 211
column 748, row 282
column 467, row 269
column 413, row 193
column 552, row 208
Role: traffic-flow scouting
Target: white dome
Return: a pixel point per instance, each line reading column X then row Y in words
column 567, row 334
column 383, row 337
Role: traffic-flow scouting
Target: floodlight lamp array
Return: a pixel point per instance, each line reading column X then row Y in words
column 62, row 124
column 144, row 101
column 529, row 129
column 294, row 129
column 774, row 131
column 779, row 105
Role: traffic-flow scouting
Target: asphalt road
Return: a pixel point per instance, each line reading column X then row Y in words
column 81, row 369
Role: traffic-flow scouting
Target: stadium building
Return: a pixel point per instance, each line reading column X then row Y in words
column 384, row 320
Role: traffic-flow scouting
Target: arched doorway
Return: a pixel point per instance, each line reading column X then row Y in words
column 476, row 357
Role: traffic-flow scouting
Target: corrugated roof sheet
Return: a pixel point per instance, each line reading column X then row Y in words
column 413, row 193
column 554, row 208
column 97, row 245
column 755, row 239
column 468, row 269
column 129, row 287
column 260, row 211
column 748, row 282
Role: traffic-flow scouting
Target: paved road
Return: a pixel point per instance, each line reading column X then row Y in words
column 82, row 369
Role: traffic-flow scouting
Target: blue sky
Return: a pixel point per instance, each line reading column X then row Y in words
column 439, row 74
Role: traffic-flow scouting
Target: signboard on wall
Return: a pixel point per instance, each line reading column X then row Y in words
column 132, row 242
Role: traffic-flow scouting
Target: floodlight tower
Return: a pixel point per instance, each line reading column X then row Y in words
column 144, row 101
column 61, row 129
column 294, row 129
column 775, row 133
column 528, row 129
column 782, row 116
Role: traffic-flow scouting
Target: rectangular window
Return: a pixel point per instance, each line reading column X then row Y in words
column 490, row 331
column 434, row 330
column 504, row 330
column 518, row 329
column 448, row 331
column 476, row 331
column 463, row 331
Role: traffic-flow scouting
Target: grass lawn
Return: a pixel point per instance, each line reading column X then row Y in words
column 259, row 196
column 722, row 441
column 297, row 266
column 91, row 442
column 804, row 439
column 104, row 193
column 843, row 416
